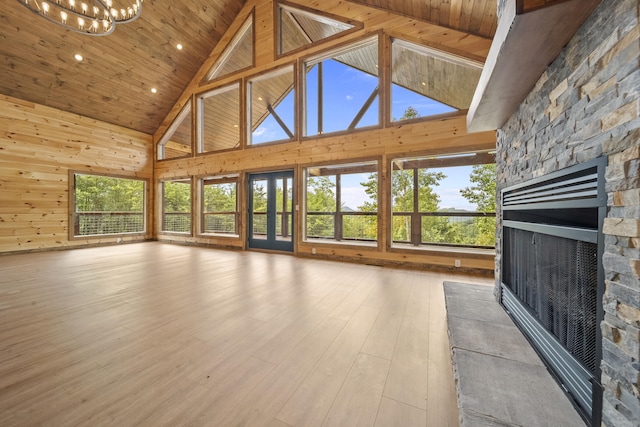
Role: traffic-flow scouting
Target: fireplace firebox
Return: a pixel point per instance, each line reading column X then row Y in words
column 552, row 279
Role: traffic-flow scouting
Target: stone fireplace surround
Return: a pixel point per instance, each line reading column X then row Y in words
column 586, row 105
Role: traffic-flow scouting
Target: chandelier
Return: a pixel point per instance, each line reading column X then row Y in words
column 92, row 17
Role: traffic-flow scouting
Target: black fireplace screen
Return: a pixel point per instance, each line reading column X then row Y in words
column 557, row 280
column 552, row 276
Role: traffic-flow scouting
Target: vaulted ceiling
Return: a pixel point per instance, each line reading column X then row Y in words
column 114, row 80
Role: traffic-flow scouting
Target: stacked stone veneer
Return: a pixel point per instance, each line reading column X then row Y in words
column 587, row 104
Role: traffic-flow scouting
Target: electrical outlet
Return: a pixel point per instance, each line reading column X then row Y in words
column 313, row 251
column 457, row 263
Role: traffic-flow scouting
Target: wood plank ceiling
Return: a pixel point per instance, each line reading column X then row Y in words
column 113, row 83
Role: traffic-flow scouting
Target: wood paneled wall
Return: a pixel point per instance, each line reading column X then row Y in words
column 38, row 147
column 445, row 135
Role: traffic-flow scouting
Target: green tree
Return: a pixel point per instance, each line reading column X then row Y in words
column 409, row 113
column 108, row 194
column 321, row 197
column 220, row 197
column 177, row 196
column 483, row 194
column 100, row 196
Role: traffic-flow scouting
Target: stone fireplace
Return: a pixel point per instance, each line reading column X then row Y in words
column 586, row 105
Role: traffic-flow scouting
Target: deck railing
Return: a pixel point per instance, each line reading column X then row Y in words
column 100, row 223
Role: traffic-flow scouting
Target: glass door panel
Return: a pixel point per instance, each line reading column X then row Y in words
column 284, row 209
column 259, row 191
column 271, row 211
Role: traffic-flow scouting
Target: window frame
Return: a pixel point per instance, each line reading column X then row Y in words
column 440, row 161
column 276, row 71
column 213, row 73
column 200, row 119
column 72, row 206
column 338, row 213
column 161, row 204
column 282, row 4
column 186, row 109
column 219, row 179
column 328, row 53
column 429, row 51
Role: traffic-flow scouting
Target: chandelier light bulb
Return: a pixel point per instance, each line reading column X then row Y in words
column 109, row 12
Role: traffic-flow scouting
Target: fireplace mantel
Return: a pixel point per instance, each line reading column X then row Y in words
column 530, row 35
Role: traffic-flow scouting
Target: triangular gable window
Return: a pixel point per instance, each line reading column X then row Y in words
column 238, row 55
column 428, row 82
column 176, row 142
column 298, row 27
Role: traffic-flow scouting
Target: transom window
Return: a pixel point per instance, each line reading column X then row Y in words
column 271, row 99
column 176, row 142
column 341, row 202
column 299, row 27
column 108, row 205
column 342, row 89
column 219, row 119
column 444, row 201
column 238, row 55
column 427, row 82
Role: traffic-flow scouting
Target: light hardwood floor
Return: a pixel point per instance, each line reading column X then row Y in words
column 159, row 334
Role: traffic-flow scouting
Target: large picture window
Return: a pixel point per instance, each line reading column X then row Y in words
column 341, row 202
column 220, row 205
column 342, row 89
column 444, row 201
column 107, row 205
column 176, row 206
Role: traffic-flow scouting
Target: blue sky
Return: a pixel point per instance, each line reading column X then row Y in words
column 353, row 194
column 345, row 91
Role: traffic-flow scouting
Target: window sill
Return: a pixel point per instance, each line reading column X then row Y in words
column 445, row 250
column 327, row 242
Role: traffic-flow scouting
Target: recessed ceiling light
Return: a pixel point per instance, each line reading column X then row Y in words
column 424, row 84
column 154, row 90
column 179, row 46
column 78, row 57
